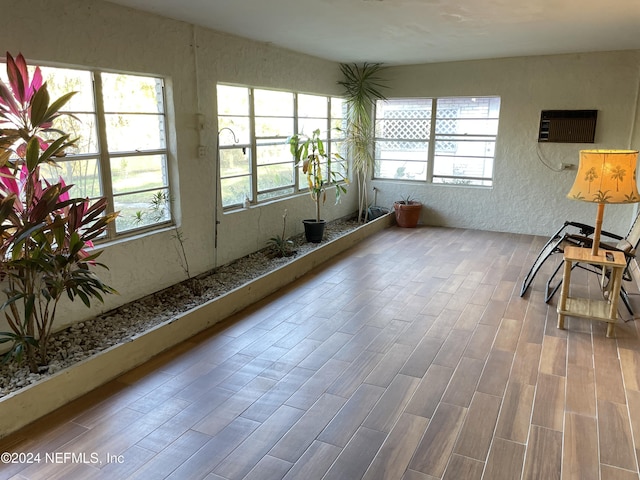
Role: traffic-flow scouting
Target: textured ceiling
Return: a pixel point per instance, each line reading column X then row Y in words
column 416, row 31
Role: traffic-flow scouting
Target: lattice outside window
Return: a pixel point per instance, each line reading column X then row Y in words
column 464, row 130
column 415, row 124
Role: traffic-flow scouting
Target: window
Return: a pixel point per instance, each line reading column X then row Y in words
column 121, row 152
column 438, row 140
column 274, row 123
column 254, row 125
column 234, row 134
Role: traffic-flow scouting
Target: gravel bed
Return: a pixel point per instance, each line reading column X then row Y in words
column 90, row 337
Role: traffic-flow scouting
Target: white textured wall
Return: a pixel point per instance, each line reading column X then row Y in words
column 526, row 197
column 91, row 33
column 227, row 59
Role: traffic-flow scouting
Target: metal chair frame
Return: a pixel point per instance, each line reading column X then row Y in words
column 579, row 235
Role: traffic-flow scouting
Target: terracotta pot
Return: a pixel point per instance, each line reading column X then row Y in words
column 407, row 214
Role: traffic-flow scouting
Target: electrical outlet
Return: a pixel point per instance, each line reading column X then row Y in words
column 202, row 151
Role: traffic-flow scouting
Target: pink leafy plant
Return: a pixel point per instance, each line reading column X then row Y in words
column 46, row 236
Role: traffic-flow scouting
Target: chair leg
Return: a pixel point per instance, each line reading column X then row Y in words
column 625, row 299
column 549, row 249
column 549, row 290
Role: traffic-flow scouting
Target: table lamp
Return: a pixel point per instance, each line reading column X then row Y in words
column 605, row 176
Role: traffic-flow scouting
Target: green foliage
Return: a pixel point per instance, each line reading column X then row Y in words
column 44, row 233
column 282, row 246
column 310, row 154
column 407, row 200
column 159, row 207
column 178, row 235
column 363, row 87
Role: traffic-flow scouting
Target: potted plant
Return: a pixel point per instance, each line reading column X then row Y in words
column 310, row 155
column 44, row 233
column 407, row 212
column 362, row 88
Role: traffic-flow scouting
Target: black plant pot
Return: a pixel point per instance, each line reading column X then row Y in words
column 313, row 230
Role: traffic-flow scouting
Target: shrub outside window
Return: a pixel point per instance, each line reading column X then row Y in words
column 438, row 140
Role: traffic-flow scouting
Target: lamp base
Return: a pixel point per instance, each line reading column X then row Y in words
column 596, row 234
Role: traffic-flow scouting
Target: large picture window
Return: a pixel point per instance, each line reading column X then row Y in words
column 253, row 128
column 121, row 151
column 438, row 140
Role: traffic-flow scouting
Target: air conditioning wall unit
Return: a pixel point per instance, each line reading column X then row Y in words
column 568, row 126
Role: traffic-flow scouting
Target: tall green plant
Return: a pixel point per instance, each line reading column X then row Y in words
column 309, row 152
column 363, row 86
column 44, row 233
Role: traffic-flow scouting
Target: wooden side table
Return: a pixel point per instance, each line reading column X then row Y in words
column 606, row 310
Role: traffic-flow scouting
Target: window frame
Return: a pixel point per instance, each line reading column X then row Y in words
column 106, row 155
column 432, row 137
column 103, row 155
column 258, row 195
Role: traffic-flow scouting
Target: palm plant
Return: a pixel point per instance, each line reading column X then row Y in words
column 44, row 233
column 362, row 85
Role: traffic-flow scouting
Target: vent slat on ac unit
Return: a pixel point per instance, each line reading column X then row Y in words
column 568, row 126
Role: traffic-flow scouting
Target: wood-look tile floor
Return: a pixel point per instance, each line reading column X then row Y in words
column 411, row 356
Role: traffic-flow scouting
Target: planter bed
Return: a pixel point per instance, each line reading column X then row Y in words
column 26, row 405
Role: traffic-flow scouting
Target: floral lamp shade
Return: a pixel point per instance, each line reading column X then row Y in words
column 605, row 176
